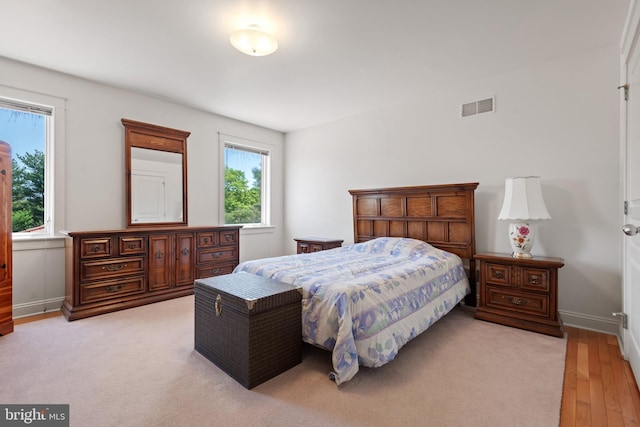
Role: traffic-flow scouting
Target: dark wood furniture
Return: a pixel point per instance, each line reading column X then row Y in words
column 249, row 326
column 441, row 215
column 316, row 244
column 6, row 254
column 520, row 292
column 160, row 150
column 117, row 269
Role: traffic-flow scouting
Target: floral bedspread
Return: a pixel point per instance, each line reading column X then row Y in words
column 365, row 301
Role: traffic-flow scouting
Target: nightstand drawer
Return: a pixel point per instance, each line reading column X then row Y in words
column 520, row 302
column 534, row 279
column 497, row 274
column 306, row 248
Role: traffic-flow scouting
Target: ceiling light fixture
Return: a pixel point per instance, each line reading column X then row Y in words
column 253, row 41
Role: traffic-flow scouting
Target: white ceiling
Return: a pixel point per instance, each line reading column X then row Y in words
column 336, row 57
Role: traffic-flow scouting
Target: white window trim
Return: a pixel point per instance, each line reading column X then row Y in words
column 266, row 175
column 54, row 160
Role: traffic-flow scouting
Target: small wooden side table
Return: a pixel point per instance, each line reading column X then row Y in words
column 522, row 293
column 316, row 244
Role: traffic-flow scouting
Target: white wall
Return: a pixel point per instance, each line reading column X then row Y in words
column 559, row 120
column 93, row 177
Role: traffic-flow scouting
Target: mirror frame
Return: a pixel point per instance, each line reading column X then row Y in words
column 154, row 137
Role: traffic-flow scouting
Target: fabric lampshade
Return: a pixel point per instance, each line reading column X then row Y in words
column 523, row 199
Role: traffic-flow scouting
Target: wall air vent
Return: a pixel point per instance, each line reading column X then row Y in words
column 482, row 106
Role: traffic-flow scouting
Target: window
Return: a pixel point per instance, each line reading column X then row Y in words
column 27, row 128
column 246, row 181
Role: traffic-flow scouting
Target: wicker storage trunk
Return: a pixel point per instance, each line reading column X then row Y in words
column 249, row 326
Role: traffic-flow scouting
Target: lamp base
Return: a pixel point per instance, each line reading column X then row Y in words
column 521, row 237
column 521, row 255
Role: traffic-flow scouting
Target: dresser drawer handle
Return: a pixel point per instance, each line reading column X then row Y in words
column 217, row 254
column 114, row 267
column 498, row 274
column 95, row 248
column 533, row 279
column 516, row 301
column 113, row 288
column 216, row 271
column 185, row 251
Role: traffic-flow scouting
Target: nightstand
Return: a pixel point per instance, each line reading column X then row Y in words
column 522, row 293
column 316, row 244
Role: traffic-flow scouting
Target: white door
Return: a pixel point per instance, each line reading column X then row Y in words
column 149, row 193
column 630, row 130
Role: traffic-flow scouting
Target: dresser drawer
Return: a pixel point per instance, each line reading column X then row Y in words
column 520, row 302
column 535, row 279
column 110, row 289
column 207, row 239
column 97, row 247
column 211, row 270
column 112, row 267
column 497, row 274
column 222, row 255
column 228, row 238
column 131, row 245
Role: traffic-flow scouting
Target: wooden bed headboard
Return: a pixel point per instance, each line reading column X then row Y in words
column 441, row 215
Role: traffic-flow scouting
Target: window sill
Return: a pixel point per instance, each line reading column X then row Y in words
column 37, row 241
column 257, row 229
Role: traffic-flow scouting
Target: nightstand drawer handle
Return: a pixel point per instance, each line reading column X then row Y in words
column 498, row 274
column 515, row 301
column 533, row 279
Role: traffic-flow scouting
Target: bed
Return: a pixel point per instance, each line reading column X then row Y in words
column 410, row 264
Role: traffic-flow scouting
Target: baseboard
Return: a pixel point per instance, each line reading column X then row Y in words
column 37, row 307
column 592, row 323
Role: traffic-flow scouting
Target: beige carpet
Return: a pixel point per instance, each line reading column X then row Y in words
column 138, row 368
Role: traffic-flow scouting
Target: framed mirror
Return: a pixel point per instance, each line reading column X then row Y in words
column 156, row 174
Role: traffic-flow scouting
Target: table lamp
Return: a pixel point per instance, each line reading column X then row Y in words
column 522, row 204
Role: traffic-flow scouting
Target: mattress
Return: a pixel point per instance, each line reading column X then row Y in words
column 365, row 301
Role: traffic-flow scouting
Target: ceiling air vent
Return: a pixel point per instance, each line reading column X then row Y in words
column 482, row 106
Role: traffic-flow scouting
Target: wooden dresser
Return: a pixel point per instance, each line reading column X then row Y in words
column 117, row 269
column 6, row 255
column 520, row 292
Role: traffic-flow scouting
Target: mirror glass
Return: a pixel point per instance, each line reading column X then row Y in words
column 156, row 186
column 156, row 174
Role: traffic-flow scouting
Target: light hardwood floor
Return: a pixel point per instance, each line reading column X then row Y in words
column 599, row 387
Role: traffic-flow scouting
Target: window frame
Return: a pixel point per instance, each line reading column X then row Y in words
column 54, row 158
column 256, row 147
